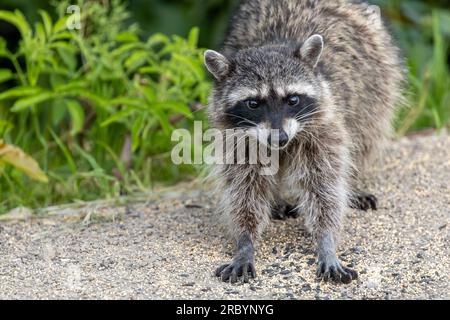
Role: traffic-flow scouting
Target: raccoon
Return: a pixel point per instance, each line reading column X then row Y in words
column 328, row 76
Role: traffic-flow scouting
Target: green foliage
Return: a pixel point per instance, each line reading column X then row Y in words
column 177, row 16
column 423, row 29
column 95, row 107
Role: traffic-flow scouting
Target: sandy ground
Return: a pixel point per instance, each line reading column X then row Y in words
column 168, row 249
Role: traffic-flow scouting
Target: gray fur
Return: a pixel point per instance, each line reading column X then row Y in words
column 340, row 52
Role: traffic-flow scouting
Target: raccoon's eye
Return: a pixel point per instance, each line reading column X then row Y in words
column 293, row 101
column 252, row 104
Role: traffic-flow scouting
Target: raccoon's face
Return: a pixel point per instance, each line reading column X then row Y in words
column 271, row 92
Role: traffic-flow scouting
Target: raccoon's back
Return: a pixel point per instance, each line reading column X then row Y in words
column 260, row 22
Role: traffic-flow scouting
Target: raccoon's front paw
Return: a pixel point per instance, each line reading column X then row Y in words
column 363, row 201
column 231, row 272
column 284, row 211
column 336, row 272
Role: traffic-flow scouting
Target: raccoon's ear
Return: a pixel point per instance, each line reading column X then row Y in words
column 217, row 64
column 311, row 50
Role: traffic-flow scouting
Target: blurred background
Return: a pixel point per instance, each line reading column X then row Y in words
column 87, row 114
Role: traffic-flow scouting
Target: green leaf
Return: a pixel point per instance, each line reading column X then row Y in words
column 136, row 60
column 61, row 25
column 136, row 133
column 129, row 102
column 89, row 158
column 4, row 52
column 47, row 20
column 127, row 37
column 68, row 57
column 65, row 151
column 40, row 33
column 158, row 38
column 66, row 35
column 56, row 80
column 121, row 115
column 64, row 45
column 5, row 75
column 125, row 48
column 192, row 64
column 95, row 99
column 5, row 126
column 58, row 112
column 17, row 19
column 70, row 87
column 28, row 102
column 20, row 92
column 77, row 115
column 193, row 38
column 174, row 106
column 163, row 120
column 149, row 93
column 151, row 70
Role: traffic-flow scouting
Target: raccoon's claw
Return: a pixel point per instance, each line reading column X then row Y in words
column 363, row 201
column 232, row 272
column 336, row 272
column 284, row 211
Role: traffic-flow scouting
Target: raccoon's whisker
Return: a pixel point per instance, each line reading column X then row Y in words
column 321, row 146
column 245, row 119
column 306, row 116
column 315, row 123
column 309, row 105
column 314, row 138
column 235, row 133
column 315, row 126
column 240, row 139
column 317, row 141
column 242, row 122
column 300, row 118
column 289, row 155
column 316, row 135
column 239, row 134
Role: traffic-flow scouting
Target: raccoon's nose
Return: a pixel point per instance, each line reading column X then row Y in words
column 279, row 140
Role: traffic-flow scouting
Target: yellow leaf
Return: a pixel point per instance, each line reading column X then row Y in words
column 21, row 161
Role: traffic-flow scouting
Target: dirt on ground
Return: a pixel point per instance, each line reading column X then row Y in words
column 168, row 247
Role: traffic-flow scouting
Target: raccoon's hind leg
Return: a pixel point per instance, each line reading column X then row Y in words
column 282, row 210
column 246, row 203
column 361, row 200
